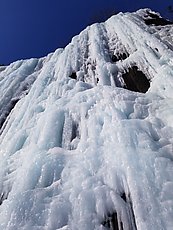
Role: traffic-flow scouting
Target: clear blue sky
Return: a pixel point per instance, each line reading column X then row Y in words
column 34, row 28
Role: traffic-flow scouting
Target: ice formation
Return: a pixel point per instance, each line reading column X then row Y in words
column 87, row 132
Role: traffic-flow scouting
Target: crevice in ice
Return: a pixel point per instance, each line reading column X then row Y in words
column 111, row 222
column 123, row 196
column 3, row 197
column 121, row 218
column 130, row 212
column 119, row 56
column 7, row 112
column 73, row 75
column 135, row 80
column 75, row 131
column 155, row 19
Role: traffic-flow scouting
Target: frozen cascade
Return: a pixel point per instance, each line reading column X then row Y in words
column 87, row 132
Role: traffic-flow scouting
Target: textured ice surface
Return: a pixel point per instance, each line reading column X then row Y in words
column 78, row 150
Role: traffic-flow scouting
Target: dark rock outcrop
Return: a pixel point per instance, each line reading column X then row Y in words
column 154, row 19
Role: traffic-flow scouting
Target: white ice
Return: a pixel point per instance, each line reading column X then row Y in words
column 74, row 151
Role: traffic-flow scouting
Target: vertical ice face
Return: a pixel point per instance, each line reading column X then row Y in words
column 86, row 132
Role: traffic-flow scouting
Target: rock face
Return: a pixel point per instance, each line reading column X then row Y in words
column 155, row 19
column 87, row 132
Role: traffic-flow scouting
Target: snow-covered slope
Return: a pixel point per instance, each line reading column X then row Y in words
column 87, row 132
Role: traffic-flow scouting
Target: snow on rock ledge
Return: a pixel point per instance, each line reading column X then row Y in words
column 79, row 149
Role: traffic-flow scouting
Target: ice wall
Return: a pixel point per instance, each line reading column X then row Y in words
column 79, row 149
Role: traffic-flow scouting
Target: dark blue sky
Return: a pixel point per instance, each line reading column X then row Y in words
column 34, row 28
